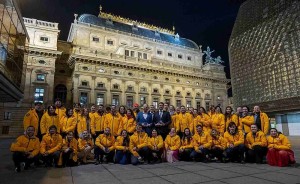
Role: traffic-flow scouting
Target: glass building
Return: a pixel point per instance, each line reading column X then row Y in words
column 264, row 51
column 13, row 37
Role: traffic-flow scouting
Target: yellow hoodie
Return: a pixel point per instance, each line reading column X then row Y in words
column 218, row 122
column 97, row 121
column 68, row 124
column 31, row 119
column 203, row 139
column 172, row 143
column 236, row 139
column 139, row 140
column 127, row 124
column 26, row 144
column 259, row 139
column 155, row 141
column 71, row 144
column 113, row 122
column 105, row 141
column 48, row 121
column 280, row 142
column 51, row 143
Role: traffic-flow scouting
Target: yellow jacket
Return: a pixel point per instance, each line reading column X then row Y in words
column 31, row 119
column 91, row 114
column 127, row 124
column 218, row 141
column 246, row 122
column 119, row 144
column 97, row 121
column 280, row 142
column 103, row 141
column 72, row 144
column 82, row 124
column 82, row 143
column 26, row 144
column 218, row 122
column 236, row 139
column 205, row 121
column 48, row 121
column 113, row 122
column 68, row 124
column 51, row 143
column 184, row 121
column 185, row 144
column 61, row 112
column 138, row 140
column 265, row 123
column 203, row 139
column 259, row 139
column 155, row 141
column 233, row 118
column 173, row 121
column 172, row 143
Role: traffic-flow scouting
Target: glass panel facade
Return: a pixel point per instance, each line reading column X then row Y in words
column 115, row 100
column 83, row 98
column 100, row 99
column 39, row 95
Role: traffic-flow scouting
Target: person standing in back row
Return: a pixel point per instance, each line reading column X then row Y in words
column 162, row 119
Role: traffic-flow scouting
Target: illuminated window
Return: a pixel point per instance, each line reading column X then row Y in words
column 39, row 95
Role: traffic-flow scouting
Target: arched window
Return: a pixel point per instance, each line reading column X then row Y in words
column 60, row 92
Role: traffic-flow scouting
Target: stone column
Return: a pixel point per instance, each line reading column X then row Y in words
column 136, row 89
column 93, row 86
column 75, row 88
column 108, row 94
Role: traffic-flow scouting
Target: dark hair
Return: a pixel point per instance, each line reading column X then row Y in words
column 67, row 112
column 124, row 110
column 30, row 127
column 161, row 103
column 126, row 139
column 228, row 115
column 199, row 125
column 204, row 111
column 108, row 109
column 247, row 108
column 219, row 108
column 188, row 137
column 48, row 110
column 230, row 125
column 82, row 113
column 51, row 127
column 38, row 103
column 132, row 113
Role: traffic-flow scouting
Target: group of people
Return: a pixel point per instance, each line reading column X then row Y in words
column 65, row 137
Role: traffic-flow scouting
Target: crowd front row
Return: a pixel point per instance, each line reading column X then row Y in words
column 138, row 147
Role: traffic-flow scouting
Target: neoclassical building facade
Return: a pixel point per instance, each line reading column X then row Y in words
column 111, row 60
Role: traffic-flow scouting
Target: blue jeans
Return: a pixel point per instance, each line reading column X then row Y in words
column 122, row 157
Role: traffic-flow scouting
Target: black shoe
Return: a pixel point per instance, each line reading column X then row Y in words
column 97, row 162
column 18, row 169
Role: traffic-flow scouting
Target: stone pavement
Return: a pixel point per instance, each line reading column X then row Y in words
column 181, row 172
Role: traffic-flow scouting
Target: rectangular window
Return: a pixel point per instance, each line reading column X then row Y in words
column 7, row 115
column 132, row 53
column 100, row 85
column 126, row 52
column 39, row 95
column 84, row 83
column 145, row 56
column 83, row 98
column 129, row 101
column 116, row 86
column 168, row 101
column 110, row 42
column 179, row 56
column 96, row 39
column 155, row 90
column 115, row 100
column 159, row 52
column 189, row 58
column 178, row 103
column 100, row 99
column 40, row 77
column 207, row 106
column 188, row 103
column 155, row 102
column 143, row 100
column 170, row 54
column 129, row 88
column 140, row 55
column 198, row 105
column 44, row 39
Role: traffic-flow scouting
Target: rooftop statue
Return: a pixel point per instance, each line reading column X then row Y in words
column 218, row 60
column 210, row 59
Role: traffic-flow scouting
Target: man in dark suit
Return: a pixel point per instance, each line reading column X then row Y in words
column 162, row 120
column 145, row 119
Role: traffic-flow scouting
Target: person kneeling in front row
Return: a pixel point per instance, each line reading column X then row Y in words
column 138, row 146
column 104, row 147
column 85, row 145
column 25, row 149
column 218, row 145
column 69, row 150
column 201, row 142
column 122, row 155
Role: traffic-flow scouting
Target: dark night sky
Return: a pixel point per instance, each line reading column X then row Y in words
column 207, row 22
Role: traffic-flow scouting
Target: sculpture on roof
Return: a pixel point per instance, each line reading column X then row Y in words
column 210, row 59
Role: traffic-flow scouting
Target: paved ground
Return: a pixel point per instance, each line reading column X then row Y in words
column 181, row 172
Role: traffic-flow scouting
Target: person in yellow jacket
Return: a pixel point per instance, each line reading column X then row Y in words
column 195, row 121
column 68, row 123
column 184, row 120
column 128, row 122
column 122, row 111
column 246, row 120
column 172, row 145
column 104, row 147
column 33, row 118
column 138, row 146
column 231, row 117
column 218, row 145
column 50, row 118
column 84, row 122
column 155, row 144
column 256, row 142
column 261, row 119
column 174, row 113
column 85, row 147
column 112, row 121
column 25, row 149
column 69, row 150
column 235, row 147
column 122, row 155
column 51, row 147
column 97, row 122
column 204, row 120
column 59, row 109
column 218, row 121
column 202, row 144
column 187, row 146
column 92, row 111
column 279, row 149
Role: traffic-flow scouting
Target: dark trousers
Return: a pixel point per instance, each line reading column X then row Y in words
column 66, row 160
column 97, row 133
column 185, row 155
column 53, row 157
column 199, row 155
column 143, row 152
column 236, row 153
column 19, row 157
column 216, row 152
column 155, row 155
column 99, row 154
column 256, row 154
column 122, row 157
